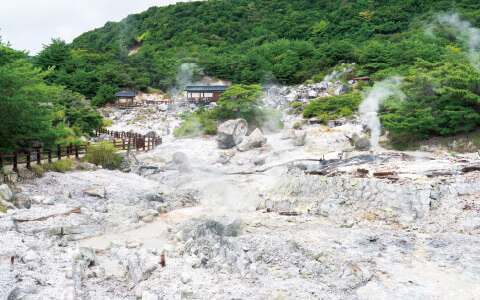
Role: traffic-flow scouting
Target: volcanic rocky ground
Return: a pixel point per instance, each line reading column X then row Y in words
column 288, row 219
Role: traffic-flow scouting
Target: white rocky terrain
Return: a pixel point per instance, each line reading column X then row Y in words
column 300, row 215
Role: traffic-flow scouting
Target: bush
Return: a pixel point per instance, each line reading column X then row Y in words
column 297, row 106
column 38, row 170
column 103, row 154
column 297, row 125
column 333, row 107
column 271, row 120
column 106, row 123
column 63, row 165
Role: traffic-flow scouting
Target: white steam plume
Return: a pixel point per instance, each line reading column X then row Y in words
column 466, row 33
column 368, row 108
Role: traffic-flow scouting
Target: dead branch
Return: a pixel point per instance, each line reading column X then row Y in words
column 470, row 169
column 76, row 210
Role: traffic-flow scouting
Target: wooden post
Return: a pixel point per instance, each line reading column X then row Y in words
column 144, row 138
column 29, row 157
column 114, row 143
column 15, row 162
column 39, row 157
column 1, row 160
column 76, row 152
column 123, row 143
column 50, row 155
column 59, row 152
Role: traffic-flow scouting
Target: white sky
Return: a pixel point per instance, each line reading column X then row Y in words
column 28, row 24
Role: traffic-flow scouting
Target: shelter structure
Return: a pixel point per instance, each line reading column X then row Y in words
column 125, row 97
column 204, row 93
column 366, row 79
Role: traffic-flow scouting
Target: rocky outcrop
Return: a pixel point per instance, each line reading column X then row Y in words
column 300, row 138
column 254, row 140
column 340, row 197
column 342, row 89
column 231, row 133
column 362, row 144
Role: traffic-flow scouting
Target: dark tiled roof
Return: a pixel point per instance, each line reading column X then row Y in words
column 205, row 88
column 120, row 94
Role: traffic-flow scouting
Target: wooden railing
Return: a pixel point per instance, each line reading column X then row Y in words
column 122, row 140
column 130, row 140
column 40, row 156
column 141, row 103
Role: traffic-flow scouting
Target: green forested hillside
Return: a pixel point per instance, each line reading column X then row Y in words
column 253, row 41
column 290, row 42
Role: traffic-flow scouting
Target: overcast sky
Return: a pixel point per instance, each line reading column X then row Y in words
column 28, row 24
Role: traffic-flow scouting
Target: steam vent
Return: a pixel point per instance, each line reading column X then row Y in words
column 241, row 150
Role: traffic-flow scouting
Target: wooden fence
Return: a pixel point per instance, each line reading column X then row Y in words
column 38, row 156
column 130, row 140
column 122, row 140
column 141, row 103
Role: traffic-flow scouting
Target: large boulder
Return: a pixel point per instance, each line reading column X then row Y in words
column 151, row 134
column 342, row 89
column 180, row 161
column 34, row 144
column 5, row 192
column 288, row 134
column 231, row 133
column 254, row 140
column 300, row 138
column 362, row 144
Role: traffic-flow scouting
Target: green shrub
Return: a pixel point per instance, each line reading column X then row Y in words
column 271, row 120
column 63, row 165
column 297, row 125
column 38, row 170
column 103, row 154
column 189, row 128
column 297, row 106
column 331, row 108
column 107, row 123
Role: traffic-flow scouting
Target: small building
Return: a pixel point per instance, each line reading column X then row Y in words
column 125, row 97
column 365, row 79
column 204, row 93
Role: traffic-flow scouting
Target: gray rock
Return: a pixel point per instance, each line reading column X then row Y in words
column 225, row 157
column 342, row 89
column 181, row 162
column 16, row 294
column 162, row 107
column 351, row 135
column 151, row 134
column 31, row 256
column 186, row 277
column 362, row 144
column 96, row 192
column 5, row 192
column 254, row 140
column 22, row 201
column 146, row 295
column 88, row 254
column 33, row 144
column 300, row 138
column 288, row 134
column 259, row 161
column 315, row 120
column 231, row 133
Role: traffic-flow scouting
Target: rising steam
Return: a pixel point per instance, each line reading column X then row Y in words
column 368, row 108
column 466, row 33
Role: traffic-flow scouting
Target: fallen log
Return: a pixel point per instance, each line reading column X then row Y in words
column 362, row 171
column 289, row 213
column 379, row 174
column 76, row 210
column 470, row 169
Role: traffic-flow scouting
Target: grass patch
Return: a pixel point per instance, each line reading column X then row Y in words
column 331, row 108
column 103, row 154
